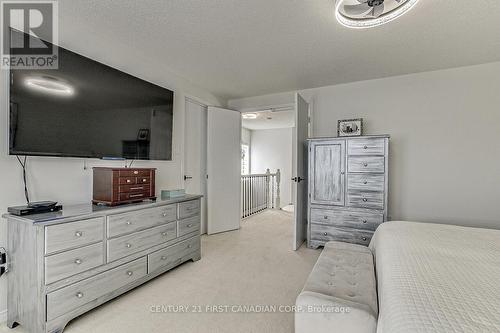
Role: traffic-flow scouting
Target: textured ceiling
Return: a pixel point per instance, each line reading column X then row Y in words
column 237, row 48
column 270, row 120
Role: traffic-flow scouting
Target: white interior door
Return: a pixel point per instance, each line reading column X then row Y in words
column 224, row 170
column 300, row 136
column 195, row 156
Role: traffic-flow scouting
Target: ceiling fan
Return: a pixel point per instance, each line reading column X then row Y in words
column 370, row 13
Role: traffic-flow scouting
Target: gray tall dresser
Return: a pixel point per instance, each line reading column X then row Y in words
column 348, row 189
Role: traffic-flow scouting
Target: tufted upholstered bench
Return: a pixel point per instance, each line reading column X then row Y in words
column 340, row 294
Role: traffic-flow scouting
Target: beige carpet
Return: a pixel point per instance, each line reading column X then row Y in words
column 252, row 266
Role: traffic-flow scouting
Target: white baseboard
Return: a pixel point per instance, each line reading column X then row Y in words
column 3, row 316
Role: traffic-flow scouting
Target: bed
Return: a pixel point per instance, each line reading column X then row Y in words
column 437, row 278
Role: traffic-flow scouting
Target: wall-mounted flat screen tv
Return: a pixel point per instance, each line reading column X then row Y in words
column 87, row 109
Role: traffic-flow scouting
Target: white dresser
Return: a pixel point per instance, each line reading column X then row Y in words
column 66, row 263
column 348, row 189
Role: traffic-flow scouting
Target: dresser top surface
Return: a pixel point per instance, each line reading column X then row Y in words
column 381, row 136
column 71, row 213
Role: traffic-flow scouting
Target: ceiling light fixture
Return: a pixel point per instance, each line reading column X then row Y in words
column 49, row 85
column 362, row 14
column 249, row 116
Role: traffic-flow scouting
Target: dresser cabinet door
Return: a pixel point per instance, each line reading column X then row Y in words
column 328, row 173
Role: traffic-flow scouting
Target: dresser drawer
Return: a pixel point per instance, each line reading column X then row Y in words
column 189, row 208
column 72, row 297
column 347, row 219
column 121, row 224
column 134, row 196
column 62, row 265
column 123, row 246
column 374, row 200
column 366, row 164
column 172, row 254
column 134, row 173
column 73, row 234
column 325, row 234
column 127, row 180
column 143, row 180
column 134, row 188
column 189, row 225
column 375, row 183
column 366, row 146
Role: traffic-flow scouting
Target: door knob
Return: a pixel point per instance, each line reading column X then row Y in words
column 187, row 177
column 298, row 179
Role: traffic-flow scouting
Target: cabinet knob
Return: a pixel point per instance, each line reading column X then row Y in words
column 189, row 225
column 365, row 199
column 326, row 217
column 165, row 214
column 164, row 233
column 79, row 294
column 78, row 261
column 365, row 147
column 365, row 182
column 190, row 246
column 128, row 223
column 342, row 173
column 128, row 180
column 136, row 172
column 128, row 245
column 144, row 180
column 325, row 233
column 163, row 257
column 365, row 221
column 365, row 164
column 78, row 234
column 130, row 273
column 364, row 238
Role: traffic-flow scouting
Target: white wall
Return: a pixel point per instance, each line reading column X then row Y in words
column 272, row 149
column 64, row 179
column 246, row 136
column 445, row 134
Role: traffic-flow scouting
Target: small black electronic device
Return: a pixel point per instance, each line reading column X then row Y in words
column 35, row 208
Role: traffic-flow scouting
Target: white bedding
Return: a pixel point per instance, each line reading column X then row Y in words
column 437, row 278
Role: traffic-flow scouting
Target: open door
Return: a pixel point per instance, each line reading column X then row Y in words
column 223, row 170
column 300, row 163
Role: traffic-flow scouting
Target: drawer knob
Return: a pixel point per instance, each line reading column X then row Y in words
column 365, row 182
column 128, row 245
column 144, row 180
column 326, row 217
column 342, row 173
column 364, row 238
column 365, row 199
column 365, row 147
column 189, row 225
column 128, row 223
column 136, row 172
column 78, row 234
column 325, row 233
column 164, row 233
column 163, row 257
column 128, row 180
column 365, row 221
column 78, row 261
column 130, row 273
column 365, row 164
column 79, row 294
column 190, row 246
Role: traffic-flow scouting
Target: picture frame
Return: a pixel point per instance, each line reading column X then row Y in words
column 350, row 127
column 143, row 134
